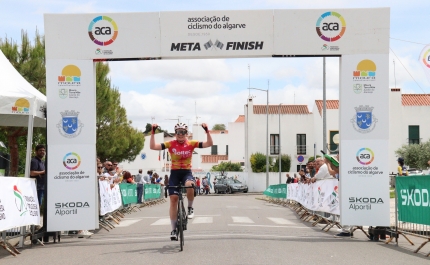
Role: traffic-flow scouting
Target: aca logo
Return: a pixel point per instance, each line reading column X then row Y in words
column 71, row 161
column 103, row 30
column 426, row 58
column 330, row 26
column 70, row 126
column 366, row 71
column 70, row 76
column 19, row 201
column 21, row 106
column 364, row 121
column 365, row 156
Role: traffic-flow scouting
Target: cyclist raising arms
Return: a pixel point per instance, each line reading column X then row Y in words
column 181, row 152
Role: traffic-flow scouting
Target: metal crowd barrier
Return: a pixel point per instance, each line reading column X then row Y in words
column 405, row 228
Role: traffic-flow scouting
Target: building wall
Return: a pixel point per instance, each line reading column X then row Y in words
column 236, row 141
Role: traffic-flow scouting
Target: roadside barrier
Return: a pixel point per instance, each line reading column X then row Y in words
column 412, row 209
column 19, row 208
column 317, row 202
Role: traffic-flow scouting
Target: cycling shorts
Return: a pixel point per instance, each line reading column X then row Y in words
column 179, row 175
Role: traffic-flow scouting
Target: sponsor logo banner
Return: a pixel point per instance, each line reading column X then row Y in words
column 413, row 199
column 72, row 203
column 321, row 196
column 363, row 182
column 216, row 33
column 110, row 198
column 18, row 203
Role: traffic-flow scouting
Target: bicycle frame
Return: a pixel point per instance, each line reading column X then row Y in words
column 182, row 220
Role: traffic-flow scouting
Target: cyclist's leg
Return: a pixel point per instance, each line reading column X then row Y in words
column 189, row 181
column 173, row 194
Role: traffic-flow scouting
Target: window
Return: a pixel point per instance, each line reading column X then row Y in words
column 274, row 144
column 301, row 167
column 214, row 149
column 414, row 134
column 301, row 144
column 226, row 149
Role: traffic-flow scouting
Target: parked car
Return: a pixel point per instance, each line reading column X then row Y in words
column 415, row 172
column 230, row 186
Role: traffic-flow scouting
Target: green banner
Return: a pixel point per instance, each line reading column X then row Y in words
column 276, row 191
column 151, row 191
column 413, row 199
column 128, row 193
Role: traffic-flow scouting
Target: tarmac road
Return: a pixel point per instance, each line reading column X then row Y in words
column 237, row 229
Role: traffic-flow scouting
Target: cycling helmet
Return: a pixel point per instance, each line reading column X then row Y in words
column 182, row 126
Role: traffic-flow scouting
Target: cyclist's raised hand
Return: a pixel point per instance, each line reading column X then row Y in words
column 205, row 127
column 154, row 127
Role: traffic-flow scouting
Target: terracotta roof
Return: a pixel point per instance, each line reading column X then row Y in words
column 415, row 99
column 284, row 109
column 241, row 118
column 330, row 104
column 213, row 158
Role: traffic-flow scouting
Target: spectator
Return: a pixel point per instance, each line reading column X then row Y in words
column 147, row 177
column 198, row 184
column 302, row 176
column 322, row 170
column 205, row 185
column 128, row 177
column 140, row 181
column 289, row 179
column 112, row 174
column 295, row 179
column 100, row 171
column 37, row 171
column 166, row 180
column 401, row 169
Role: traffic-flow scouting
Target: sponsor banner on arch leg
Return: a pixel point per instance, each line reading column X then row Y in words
column 72, row 203
column 72, row 96
column 364, row 97
column 413, row 199
column 364, row 179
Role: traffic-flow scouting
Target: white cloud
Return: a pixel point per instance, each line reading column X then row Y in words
column 192, row 89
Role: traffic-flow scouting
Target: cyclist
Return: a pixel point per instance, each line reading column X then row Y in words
column 181, row 152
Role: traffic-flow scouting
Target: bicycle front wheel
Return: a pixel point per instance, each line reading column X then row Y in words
column 180, row 224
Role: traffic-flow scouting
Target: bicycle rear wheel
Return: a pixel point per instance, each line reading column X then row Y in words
column 180, row 224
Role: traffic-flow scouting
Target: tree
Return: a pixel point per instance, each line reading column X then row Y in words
column 285, row 164
column 227, row 166
column 310, row 159
column 415, row 155
column 148, row 129
column 258, row 162
column 219, row 127
column 28, row 58
column 116, row 139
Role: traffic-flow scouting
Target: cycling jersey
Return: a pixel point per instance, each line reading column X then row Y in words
column 181, row 153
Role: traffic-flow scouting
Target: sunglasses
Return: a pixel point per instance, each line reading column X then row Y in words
column 109, row 165
column 99, row 167
column 181, row 132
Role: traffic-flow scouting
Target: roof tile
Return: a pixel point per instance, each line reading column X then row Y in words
column 283, row 109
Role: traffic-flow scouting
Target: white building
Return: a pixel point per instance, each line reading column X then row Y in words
column 301, row 133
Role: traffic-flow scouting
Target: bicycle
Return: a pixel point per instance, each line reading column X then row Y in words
column 182, row 221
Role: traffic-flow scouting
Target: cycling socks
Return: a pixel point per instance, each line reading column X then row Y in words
column 173, row 223
column 190, row 204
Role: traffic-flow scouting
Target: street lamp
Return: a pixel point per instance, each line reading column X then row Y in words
column 279, row 142
column 267, row 133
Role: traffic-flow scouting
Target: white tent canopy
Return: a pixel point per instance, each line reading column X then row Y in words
column 18, row 98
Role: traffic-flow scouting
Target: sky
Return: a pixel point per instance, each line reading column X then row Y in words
column 164, row 91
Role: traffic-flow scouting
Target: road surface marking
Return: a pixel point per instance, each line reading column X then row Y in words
column 280, row 221
column 203, row 220
column 125, row 223
column 242, row 219
column 163, row 221
column 274, row 226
